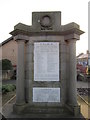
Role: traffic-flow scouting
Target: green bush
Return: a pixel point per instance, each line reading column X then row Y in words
column 8, row 88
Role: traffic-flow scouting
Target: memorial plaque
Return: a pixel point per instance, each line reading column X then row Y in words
column 46, row 94
column 46, row 61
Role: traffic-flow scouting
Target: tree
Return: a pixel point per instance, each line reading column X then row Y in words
column 6, row 64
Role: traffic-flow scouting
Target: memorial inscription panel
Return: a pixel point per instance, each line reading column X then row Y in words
column 46, row 61
column 46, row 94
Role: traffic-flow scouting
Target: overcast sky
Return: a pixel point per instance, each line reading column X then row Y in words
column 15, row 11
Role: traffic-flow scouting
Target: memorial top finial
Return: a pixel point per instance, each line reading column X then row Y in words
column 46, row 20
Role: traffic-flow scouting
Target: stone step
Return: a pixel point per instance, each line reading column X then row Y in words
column 50, row 110
column 48, row 115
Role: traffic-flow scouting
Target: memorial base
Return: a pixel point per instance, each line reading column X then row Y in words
column 18, row 108
column 74, row 109
column 46, row 112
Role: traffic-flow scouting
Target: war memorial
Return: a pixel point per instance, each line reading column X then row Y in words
column 46, row 71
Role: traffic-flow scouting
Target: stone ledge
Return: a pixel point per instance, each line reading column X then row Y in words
column 62, row 30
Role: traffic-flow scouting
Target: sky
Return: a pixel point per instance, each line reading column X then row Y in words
column 14, row 11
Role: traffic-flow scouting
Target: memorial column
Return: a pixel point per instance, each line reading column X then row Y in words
column 20, row 91
column 72, row 73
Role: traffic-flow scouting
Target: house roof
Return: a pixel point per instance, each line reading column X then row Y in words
column 83, row 56
column 6, row 41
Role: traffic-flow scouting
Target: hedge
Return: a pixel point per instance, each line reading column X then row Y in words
column 7, row 88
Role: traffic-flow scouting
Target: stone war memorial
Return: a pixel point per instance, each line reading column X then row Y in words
column 46, row 70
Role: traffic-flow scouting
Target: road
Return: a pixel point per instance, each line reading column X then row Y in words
column 4, row 82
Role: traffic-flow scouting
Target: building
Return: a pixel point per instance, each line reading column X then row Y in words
column 9, row 50
column 83, row 58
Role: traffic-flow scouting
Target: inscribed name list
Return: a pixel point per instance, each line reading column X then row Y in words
column 46, row 61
